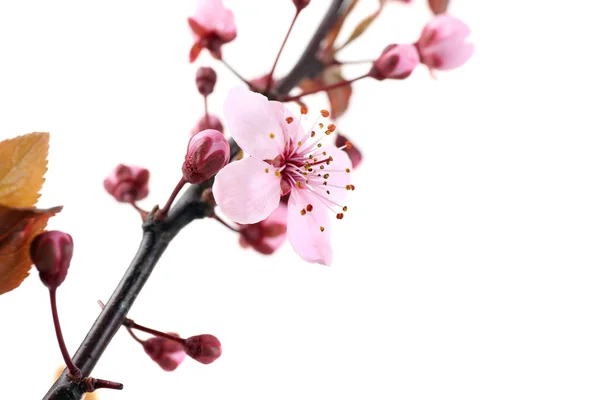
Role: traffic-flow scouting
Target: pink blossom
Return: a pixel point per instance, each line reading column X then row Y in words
column 212, row 26
column 268, row 235
column 443, row 44
column 397, row 61
column 283, row 159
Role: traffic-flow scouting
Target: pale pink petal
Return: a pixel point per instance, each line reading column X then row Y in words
column 291, row 130
column 443, row 44
column 209, row 13
column 454, row 54
column 245, row 193
column 253, row 123
column 338, row 177
column 446, row 26
column 227, row 28
column 304, row 231
column 277, row 217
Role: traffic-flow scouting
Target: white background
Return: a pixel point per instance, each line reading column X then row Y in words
column 467, row 266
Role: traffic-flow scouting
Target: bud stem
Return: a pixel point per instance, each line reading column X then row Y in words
column 287, row 35
column 163, row 211
column 130, row 324
column 134, row 336
column 74, row 371
column 143, row 213
column 216, row 217
column 206, row 106
column 325, row 88
column 229, row 67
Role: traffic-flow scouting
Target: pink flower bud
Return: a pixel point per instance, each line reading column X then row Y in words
column 268, row 235
column 206, row 78
column 208, row 121
column 207, row 153
column 438, row 6
column 300, row 4
column 127, row 183
column 203, row 348
column 168, row 354
column 443, row 45
column 397, row 61
column 51, row 252
column 354, row 154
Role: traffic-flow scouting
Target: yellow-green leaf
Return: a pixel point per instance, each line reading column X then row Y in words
column 22, row 167
column 361, row 28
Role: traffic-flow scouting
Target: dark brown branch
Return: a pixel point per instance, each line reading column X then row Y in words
column 158, row 234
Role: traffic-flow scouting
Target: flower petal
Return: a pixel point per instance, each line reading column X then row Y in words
column 253, row 123
column 245, row 193
column 304, row 231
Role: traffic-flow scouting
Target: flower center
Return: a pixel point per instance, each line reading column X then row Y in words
column 304, row 166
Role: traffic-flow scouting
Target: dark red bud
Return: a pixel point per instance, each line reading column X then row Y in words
column 300, row 4
column 438, row 6
column 127, row 183
column 206, row 78
column 203, row 348
column 51, row 252
column 208, row 152
column 168, row 354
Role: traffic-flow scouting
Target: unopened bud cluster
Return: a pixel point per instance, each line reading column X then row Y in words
column 127, row 183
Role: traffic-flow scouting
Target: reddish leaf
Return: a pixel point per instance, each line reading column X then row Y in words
column 18, row 227
column 338, row 98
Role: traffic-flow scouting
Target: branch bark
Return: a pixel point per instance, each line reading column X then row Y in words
column 158, row 234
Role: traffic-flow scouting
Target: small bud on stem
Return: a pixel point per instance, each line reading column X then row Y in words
column 206, row 78
column 203, row 348
column 51, row 252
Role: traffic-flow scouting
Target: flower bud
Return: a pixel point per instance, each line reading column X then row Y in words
column 268, row 235
column 300, row 4
column 354, row 154
column 438, row 6
column 51, row 252
column 203, row 348
column 443, row 44
column 127, row 183
column 397, row 61
column 168, row 354
column 206, row 78
column 207, row 153
column 208, row 121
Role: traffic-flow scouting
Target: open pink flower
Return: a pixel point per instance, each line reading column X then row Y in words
column 212, row 26
column 283, row 159
column 443, row 44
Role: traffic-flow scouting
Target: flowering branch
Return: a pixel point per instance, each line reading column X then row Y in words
column 157, row 234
